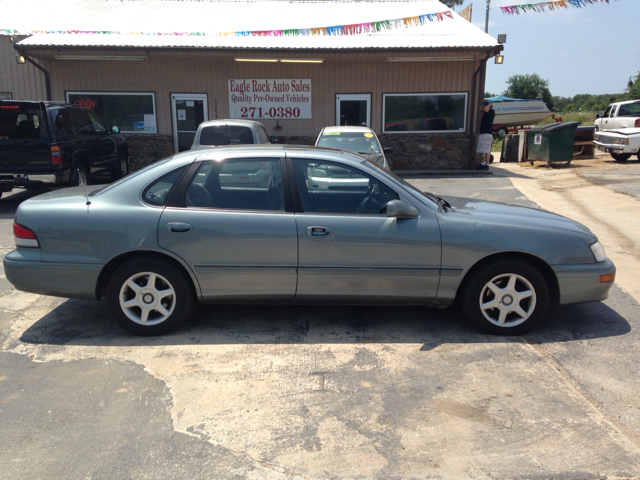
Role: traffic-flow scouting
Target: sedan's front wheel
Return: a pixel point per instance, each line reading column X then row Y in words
column 150, row 296
column 508, row 297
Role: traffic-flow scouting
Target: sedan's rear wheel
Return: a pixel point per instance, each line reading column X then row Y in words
column 508, row 297
column 150, row 297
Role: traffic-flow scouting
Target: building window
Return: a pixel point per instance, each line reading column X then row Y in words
column 5, row 96
column 424, row 112
column 131, row 112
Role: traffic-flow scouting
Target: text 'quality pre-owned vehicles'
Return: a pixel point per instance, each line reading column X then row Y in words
column 48, row 144
column 267, row 223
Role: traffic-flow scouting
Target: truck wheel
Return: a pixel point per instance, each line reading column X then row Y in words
column 507, row 297
column 620, row 157
column 121, row 169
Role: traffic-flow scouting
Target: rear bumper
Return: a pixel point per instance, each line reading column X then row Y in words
column 57, row 279
column 11, row 179
column 581, row 283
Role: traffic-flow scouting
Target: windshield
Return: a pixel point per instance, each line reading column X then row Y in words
column 361, row 142
column 226, row 135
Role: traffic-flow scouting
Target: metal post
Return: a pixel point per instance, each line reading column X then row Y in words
column 486, row 22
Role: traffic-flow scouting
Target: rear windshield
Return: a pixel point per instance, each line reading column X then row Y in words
column 20, row 123
column 629, row 110
column 226, row 135
column 361, row 142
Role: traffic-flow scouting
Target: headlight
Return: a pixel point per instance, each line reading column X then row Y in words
column 598, row 252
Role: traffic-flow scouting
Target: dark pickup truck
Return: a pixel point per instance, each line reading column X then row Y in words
column 48, row 144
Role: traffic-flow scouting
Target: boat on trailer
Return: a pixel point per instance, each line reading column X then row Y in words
column 517, row 112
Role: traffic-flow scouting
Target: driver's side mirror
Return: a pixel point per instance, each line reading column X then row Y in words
column 598, row 115
column 273, row 139
column 399, row 209
column 115, row 129
column 388, row 150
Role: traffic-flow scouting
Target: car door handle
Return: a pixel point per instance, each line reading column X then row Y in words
column 317, row 232
column 177, row 227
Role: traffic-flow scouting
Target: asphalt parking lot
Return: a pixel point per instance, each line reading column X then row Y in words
column 320, row 392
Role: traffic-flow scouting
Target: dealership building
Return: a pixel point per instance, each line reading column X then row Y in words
column 414, row 71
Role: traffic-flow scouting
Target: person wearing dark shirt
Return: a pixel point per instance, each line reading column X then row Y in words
column 486, row 133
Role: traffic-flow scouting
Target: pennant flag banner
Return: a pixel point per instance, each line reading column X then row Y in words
column 354, row 29
column 541, row 7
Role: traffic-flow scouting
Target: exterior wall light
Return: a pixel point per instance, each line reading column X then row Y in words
column 20, row 59
column 12, row 40
column 499, row 59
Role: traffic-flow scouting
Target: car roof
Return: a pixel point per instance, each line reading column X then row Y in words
column 300, row 151
column 347, row 128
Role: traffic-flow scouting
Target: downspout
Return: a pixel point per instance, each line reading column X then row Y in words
column 47, row 81
column 475, row 104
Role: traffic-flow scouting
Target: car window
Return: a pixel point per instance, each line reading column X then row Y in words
column 63, row 123
column 361, row 142
column 607, row 112
column 327, row 187
column 262, row 134
column 237, row 184
column 157, row 193
column 82, row 121
column 225, row 135
column 98, row 126
column 20, row 123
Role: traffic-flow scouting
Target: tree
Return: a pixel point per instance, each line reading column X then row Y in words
column 452, row 3
column 634, row 88
column 529, row 87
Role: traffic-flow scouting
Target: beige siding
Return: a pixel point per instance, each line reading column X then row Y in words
column 22, row 81
column 189, row 72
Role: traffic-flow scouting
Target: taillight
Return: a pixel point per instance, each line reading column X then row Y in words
column 637, row 124
column 56, row 155
column 25, row 237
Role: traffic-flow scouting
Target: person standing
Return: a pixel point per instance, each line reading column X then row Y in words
column 486, row 133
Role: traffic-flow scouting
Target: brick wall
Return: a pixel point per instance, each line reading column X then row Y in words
column 147, row 149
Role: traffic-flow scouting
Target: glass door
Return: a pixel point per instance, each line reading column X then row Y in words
column 353, row 110
column 188, row 110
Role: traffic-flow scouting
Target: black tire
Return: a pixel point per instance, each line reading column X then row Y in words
column 81, row 177
column 500, row 274
column 620, row 157
column 162, row 314
column 502, row 132
column 121, row 169
column 490, row 158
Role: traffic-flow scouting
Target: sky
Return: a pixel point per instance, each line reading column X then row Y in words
column 593, row 49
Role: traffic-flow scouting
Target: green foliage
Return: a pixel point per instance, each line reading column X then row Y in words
column 585, row 103
column 529, row 87
column 634, row 88
column 489, row 95
column 452, row 3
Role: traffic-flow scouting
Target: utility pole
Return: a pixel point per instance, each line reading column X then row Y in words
column 486, row 22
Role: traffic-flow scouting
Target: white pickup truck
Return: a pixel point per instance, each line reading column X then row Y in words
column 620, row 143
column 619, row 115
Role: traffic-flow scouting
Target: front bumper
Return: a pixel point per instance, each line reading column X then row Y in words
column 616, row 147
column 69, row 280
column 581, row 283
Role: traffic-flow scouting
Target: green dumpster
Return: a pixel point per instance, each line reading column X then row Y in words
column 552, row 142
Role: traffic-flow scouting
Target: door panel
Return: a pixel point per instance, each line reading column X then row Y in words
column 350, row 251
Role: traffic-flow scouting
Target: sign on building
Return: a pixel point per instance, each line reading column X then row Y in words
column 270, row 98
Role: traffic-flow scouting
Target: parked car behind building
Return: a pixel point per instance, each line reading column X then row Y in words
column 231, row 132
column 47, row 144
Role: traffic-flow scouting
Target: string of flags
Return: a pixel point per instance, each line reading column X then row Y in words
column 553, row 5
column 353, row 29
